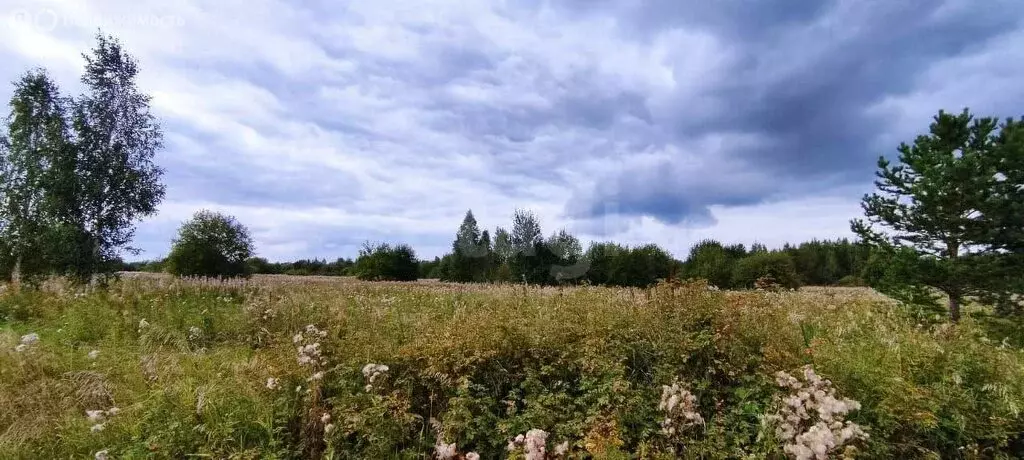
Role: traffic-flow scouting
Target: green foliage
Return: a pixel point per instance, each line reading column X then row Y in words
column 472, row 258
column 603, row 259
column 851, row 281
column 476, row 367
column 824, row 263
column 116, row 140
column 949, row 198
column 384, row 262
column 78, row 173
column 33, row 166
column 895, row 272
column 711, row 261
column 777, row 265
column 211, row 244
column 526, row 231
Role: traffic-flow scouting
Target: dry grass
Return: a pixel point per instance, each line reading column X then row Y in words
column 485, row 363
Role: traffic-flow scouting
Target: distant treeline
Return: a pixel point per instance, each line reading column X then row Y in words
column 817, row 262
column 523, row 255
column 302, row 267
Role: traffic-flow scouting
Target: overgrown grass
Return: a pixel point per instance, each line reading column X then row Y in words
column 478, row 365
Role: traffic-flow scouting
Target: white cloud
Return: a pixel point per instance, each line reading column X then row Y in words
column 320, row 125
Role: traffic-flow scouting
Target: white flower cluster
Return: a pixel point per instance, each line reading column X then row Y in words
column 534, row 445
column 272, row 383
column 102, row 455
column 27, row 341
column 194, row 334
column 326, row 421
column 811, row 420
column 309, row 346
column 680, row 408
column 372, row 372
column 98, row 418
column 446, row 451
column 257, row 307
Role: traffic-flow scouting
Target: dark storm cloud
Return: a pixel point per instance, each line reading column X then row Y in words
column 804, row 78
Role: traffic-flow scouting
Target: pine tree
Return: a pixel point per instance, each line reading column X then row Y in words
column 469, row 252
column 947, row 199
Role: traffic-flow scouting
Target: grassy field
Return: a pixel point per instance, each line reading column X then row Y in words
column 289, row 367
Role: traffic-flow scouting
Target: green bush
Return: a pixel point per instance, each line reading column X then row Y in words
column 777, row 265
column 384, row 262
column 211, row 244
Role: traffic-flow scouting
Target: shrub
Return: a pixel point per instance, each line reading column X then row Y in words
column 211, row 244
column 383, row 262
column 777, row 265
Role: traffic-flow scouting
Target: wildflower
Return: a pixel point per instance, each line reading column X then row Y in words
column 561, row 448
column 535, row 444
column 309, row 353
column 29, row 339
column 805, row 436
column 94, row 415
column 328, row 428
column 326, row 418
column 194, row 333
column 317, row 376
column 94, row 354
column 373, row 371
column 445, row 451
column 102, row 455
column 272, row 383
column 97, row 428
column 680, row 408
column 20, row 348
column 313, row 331
column 113, row 411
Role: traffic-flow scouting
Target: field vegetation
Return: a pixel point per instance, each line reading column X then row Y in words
column 308, row 367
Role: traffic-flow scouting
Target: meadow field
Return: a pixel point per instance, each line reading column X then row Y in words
column 303, row 367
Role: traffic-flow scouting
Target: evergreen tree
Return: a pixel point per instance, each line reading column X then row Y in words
column 949, row 199
column 470, row 253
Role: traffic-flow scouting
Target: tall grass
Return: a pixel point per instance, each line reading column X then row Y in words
column 187, row 363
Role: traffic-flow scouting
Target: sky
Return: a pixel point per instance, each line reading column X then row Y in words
column 323, row 124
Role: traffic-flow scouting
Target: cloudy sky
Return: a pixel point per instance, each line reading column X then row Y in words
column 322, row 124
